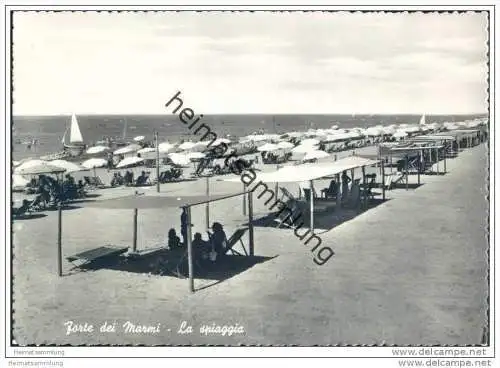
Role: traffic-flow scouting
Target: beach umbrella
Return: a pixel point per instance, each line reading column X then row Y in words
column 373, row 132
column 94, row 162
column 139, row 138
column 29, row 163
column 129, row 161
column 19, row 182
column 400, row 134
column 186, row 146
column 166, row 147
column 267, row 147
column 97, row 149
column 195, row 155
column 179, row 159
column 285, row 145
column 128, row 149
column 68, row 166
column 221, row 140
column 39, row 168
column 146, row 150
column 309, row 142
column 313, row 155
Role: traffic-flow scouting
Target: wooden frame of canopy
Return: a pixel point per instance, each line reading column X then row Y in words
column 138, row 201
column 305, row 174
column 419, row 150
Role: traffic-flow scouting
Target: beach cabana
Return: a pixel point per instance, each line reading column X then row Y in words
column 136, row 202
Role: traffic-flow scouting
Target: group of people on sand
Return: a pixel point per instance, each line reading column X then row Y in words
column 213, row 249
column 49, row 191
column 128, row 179
column 350, row 190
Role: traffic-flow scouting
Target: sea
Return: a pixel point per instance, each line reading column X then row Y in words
column 49, row 130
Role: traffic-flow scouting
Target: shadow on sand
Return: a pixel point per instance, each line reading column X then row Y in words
column 29, row 216
column 173, row 263
column 323, row 220
column 403, row 186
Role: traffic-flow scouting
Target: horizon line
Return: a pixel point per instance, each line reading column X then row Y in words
column 241, row 114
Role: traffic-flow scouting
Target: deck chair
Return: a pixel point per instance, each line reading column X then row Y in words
column 24, row 209
column 142, row 182
column 285, row 194
column 307, row 194
column 233, row 240
column 394, row 179
column 285, row 218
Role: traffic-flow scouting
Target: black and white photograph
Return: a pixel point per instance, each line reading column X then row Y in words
column 250, row 178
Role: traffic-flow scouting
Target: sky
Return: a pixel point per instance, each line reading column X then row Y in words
column 260, row 63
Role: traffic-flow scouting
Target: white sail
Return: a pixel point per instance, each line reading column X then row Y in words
column 75, row 134
column 422, row 120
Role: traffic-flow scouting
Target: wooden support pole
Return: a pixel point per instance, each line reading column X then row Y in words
column 311, row 199
column 419, row 166
column 383, row 181
column 437, row 160
column 190, row 250
column 207, row 205
column 365, row 198
column 245, row 199
column 444, row 163
column 157, row 163
column 134, row 239
column 406, row 170
column 250, row 223
column 339, row 196
column 59, row 239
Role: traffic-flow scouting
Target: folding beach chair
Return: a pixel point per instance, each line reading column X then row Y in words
column 285, row 218
column 233, row 240
column 285, row 194
column 24, row 209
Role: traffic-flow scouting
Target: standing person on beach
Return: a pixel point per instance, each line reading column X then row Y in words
column 184, row 226
column 345, row 186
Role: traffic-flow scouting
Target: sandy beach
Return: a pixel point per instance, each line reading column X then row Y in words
column 409, row 271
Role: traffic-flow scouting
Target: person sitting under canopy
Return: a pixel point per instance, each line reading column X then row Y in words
column 331, row 191
column 218, row 241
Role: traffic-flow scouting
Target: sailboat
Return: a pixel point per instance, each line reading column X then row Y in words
column 422, row 120
column 75, row 146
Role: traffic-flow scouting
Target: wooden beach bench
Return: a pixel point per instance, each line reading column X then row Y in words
column 106, row 252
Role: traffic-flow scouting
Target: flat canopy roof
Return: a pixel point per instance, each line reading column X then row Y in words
column 443, row 137
column 306, row 172
column 150, row 202
column 411, row 149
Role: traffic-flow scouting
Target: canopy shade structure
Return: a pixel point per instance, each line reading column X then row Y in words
column 307, row 172
column 434, row 137
column 137, row 201
column 150, row 202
